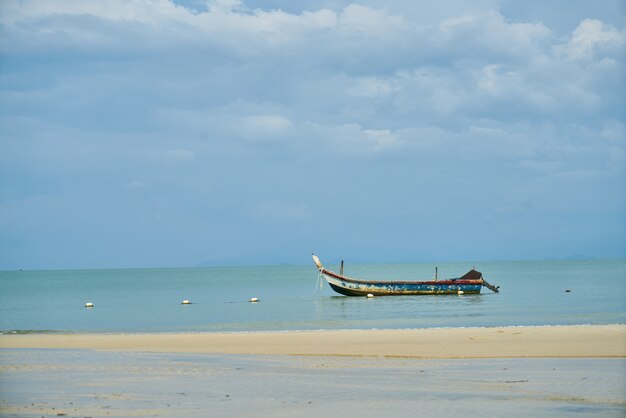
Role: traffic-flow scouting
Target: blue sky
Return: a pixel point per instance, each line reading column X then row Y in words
column 148, row 134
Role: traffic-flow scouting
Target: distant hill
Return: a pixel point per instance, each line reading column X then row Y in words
column 579, row 257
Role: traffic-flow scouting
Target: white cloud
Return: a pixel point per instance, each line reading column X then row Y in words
column 12, row 11
column 349, row 141
column 489, row 33
column 264, row 125
column 370, row 21
column 371, row 87
column 225, row 5
column 593, row 37
column 380, row 139
column 312, row 67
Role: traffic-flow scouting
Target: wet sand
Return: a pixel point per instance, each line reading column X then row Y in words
column 88, row 383
column 510, row 371
column 497, row 342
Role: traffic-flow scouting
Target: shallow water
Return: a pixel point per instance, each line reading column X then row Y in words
column 149, row 300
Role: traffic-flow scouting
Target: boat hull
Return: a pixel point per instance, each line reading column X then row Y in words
column 352, row 287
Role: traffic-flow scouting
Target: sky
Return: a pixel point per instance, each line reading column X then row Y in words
column 183, row 133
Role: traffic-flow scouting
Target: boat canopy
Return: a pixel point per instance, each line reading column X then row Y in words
column 472, row 275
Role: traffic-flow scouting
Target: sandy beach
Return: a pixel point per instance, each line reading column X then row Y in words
column 497, row 342
column 504, row 371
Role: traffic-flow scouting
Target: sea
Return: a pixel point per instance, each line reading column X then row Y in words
column 532, row 292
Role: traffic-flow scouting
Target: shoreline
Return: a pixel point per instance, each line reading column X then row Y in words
column 428, row 343
column 284, row 331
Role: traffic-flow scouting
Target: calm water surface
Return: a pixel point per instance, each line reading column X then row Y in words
column 148, row 300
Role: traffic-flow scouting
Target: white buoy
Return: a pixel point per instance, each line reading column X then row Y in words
column 88, row 305
column 254, row 300
column 185, row 302
column 369, row 295
column 460, row 292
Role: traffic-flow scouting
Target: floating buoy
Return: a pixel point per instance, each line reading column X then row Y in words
column 460, row 292
column 253, row 300
column 185, row 302
column 88, row 305
column 369, row 295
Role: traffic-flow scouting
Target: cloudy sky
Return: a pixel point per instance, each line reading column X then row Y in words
column 159, row 133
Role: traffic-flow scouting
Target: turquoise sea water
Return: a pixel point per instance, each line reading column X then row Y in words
column 149, row 300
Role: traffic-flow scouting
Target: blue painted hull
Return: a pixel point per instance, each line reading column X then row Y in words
column 386, row 289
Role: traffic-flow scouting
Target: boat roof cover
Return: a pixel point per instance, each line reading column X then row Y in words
column 472, row 275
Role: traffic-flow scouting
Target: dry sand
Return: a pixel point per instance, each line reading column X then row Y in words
column 497, row 342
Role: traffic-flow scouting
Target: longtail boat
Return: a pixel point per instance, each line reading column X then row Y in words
column 470, row 283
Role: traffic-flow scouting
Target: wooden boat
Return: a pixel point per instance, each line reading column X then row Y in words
column 470, row 283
